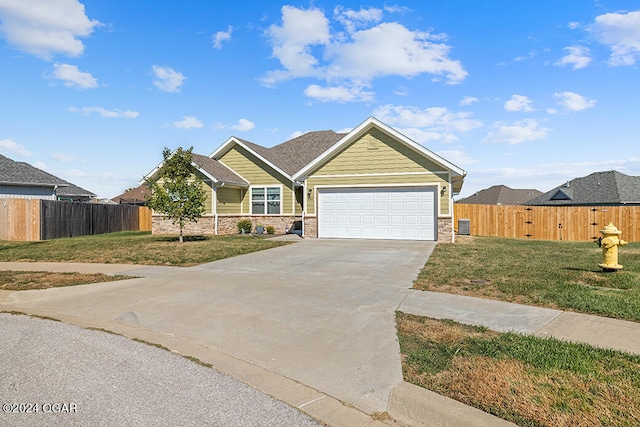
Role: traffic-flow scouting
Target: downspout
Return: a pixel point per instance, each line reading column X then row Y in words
column 306, row 203
column 215, row 206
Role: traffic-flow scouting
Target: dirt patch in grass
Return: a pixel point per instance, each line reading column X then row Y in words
column 527, row 380
column 27, row 280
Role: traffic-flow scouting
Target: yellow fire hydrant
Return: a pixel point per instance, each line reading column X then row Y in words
column 609, row 243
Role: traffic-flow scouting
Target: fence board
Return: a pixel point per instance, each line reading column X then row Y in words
column 64, row 219
column 146, row 219
column 575, row 223
column 34, row 219
column 19, row 219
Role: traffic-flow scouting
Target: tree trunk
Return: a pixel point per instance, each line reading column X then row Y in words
column 180, row 239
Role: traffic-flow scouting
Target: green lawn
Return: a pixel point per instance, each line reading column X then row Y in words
column 527, row 380
column 555, row 274
column 135, row 248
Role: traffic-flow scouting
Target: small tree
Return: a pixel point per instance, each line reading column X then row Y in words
column 177, row 192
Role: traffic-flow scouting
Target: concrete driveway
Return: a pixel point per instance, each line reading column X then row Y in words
column 320, row 312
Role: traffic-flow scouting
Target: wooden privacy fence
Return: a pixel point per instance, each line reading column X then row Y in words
column 31, row 220
column 576, row 223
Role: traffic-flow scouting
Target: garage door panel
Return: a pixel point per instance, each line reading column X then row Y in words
column 380, row 213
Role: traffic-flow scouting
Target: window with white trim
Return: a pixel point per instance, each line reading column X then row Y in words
column 265, row 200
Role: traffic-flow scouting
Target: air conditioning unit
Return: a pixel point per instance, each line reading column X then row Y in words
column 464, row 227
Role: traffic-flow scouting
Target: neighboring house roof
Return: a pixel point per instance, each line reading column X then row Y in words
column 500, row 195
column 599, row 188
column 20, row 173
column 23, row 174
column 133, row 195
column 73, row 190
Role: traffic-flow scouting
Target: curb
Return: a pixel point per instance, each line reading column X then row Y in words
column 416, row 406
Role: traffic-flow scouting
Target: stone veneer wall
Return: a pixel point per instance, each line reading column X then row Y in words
column 311, row 226
column 445, row 230
column 226, row 224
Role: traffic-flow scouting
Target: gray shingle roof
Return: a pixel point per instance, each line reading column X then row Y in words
column 218, row 170
column 20, row 173
column 294, row 154
column 500, row 195
column 599, row 188
column 73, row 190
column 12, row 172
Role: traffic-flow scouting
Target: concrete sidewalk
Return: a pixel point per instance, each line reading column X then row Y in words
column 312, row 324
column 508, row 317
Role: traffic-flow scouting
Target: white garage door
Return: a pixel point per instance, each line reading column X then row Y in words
column 375, row 213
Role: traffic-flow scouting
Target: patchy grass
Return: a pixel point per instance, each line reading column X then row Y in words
column 527, row 380
column 26, row 280
column 135, row 248
column 553, row 274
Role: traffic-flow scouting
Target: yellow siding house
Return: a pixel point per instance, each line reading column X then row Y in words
column 370, row 183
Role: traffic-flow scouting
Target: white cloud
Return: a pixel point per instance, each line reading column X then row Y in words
column 520, row 131
column 292, row 42
column 573, row 25
column 468, row 100
column 423, row 136
column 167, row 79
column 573, row 101
column 188, row 122
column 399, row 52
column 40, row 165
column 73, row 77
column 530, row 55
column 10, row 146
column 338, row 93
column 433, row 118
column 222, row 36
column 578, row 57
column 243, row 125
column 352, row 19
column 518, row 103
column 306, row 47
column 45, row 27
column 458, row 158
column 63, row 157
column 104, row 113
column 74, row 173
column 621, row 32
column 429, row 124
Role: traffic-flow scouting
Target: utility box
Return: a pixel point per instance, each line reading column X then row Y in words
column 464, row 227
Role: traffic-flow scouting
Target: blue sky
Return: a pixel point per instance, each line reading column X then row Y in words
column 526, row 93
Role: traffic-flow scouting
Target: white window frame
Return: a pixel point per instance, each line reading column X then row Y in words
column 265, row 187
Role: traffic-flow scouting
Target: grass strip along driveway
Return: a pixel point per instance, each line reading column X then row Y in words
column 554, row 274
column 135, row 247
column 117, row 248
column 526, row 380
